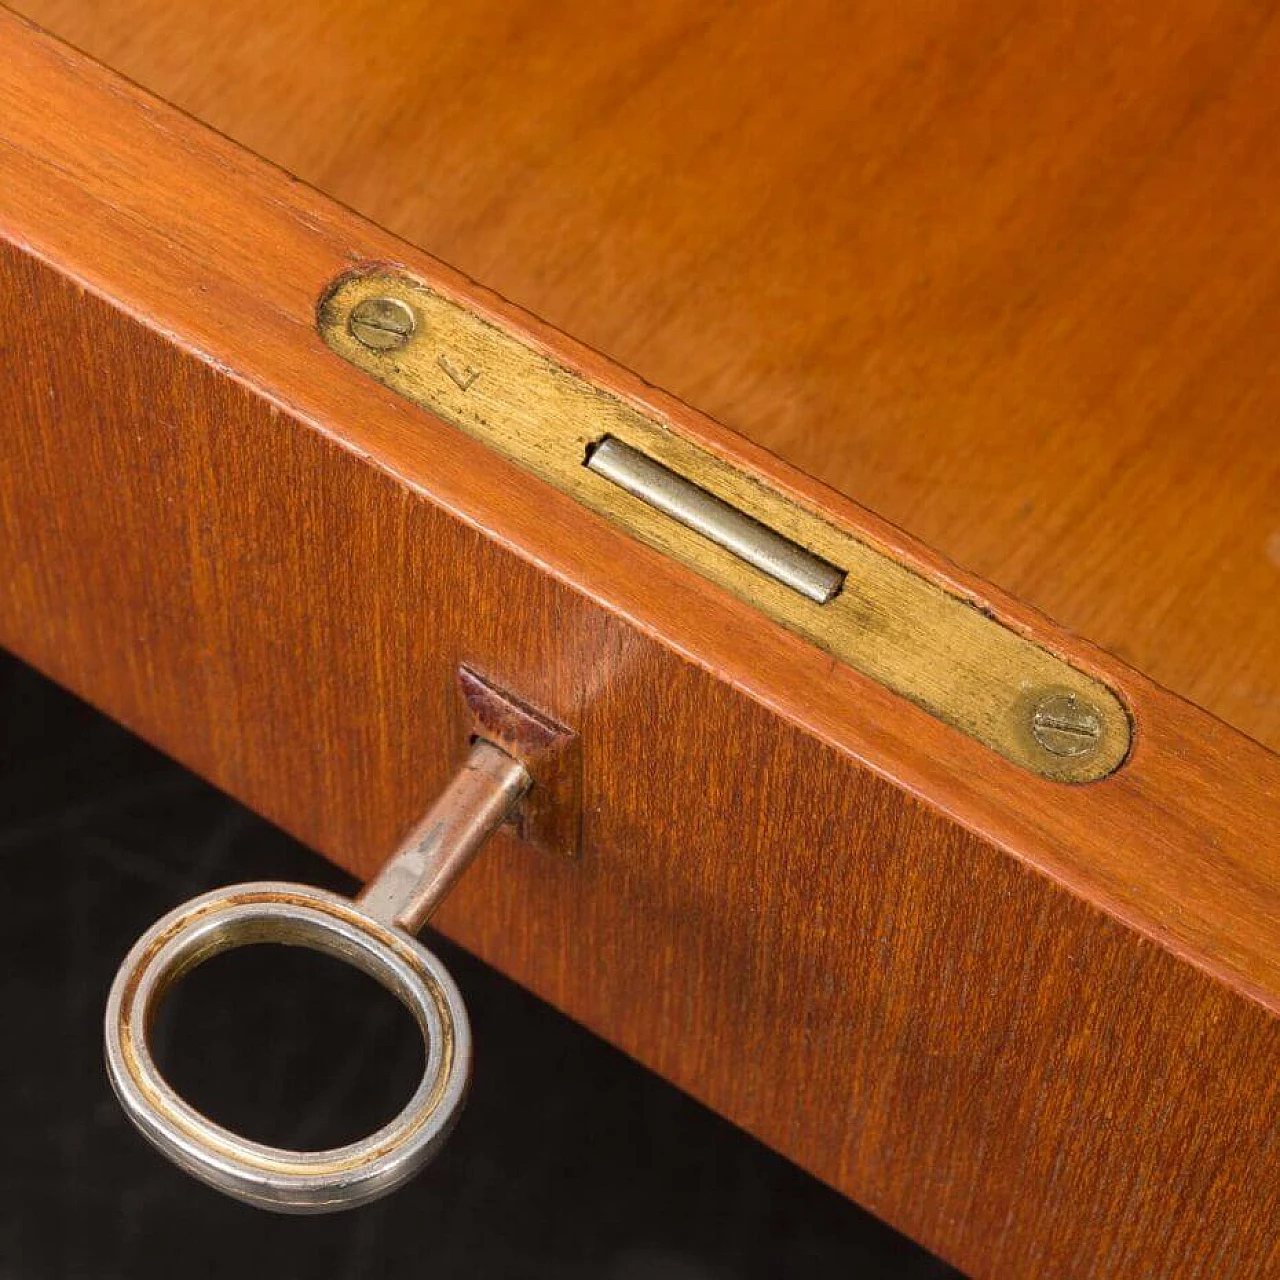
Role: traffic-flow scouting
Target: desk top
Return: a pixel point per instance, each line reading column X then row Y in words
column 1010, row 279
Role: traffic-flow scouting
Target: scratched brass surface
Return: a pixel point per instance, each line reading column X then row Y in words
column 888, row 622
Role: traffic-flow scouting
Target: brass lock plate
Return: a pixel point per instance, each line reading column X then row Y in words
column 798, row 567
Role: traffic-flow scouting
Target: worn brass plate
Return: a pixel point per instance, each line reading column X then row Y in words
column 889, row 621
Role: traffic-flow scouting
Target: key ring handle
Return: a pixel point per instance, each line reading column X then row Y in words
column 274, row 1177
column 375, row 934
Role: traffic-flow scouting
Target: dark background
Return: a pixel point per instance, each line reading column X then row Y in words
column 570, row 1161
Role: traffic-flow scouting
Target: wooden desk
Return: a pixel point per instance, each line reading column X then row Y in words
column 1005, row 279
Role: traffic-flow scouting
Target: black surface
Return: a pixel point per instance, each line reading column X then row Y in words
column 570, row 1160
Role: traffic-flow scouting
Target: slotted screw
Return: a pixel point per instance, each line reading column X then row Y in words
column 381, row 324
column 1065, row 725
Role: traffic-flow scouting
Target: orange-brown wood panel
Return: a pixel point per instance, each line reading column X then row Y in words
column 994, row 1065
column 1008, row 276
column 1033, row 1025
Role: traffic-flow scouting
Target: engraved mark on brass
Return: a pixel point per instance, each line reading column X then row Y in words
column 890, row 622
column 1065, row 726
column 463, row 378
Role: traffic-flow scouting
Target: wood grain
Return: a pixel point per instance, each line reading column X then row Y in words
column 1032, row 1025
column 1009, row 276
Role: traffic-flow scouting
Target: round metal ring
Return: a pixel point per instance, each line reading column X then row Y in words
column 273, row 1177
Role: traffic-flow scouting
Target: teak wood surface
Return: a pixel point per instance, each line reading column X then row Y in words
column 1032, row 1025
column 1008, row 275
